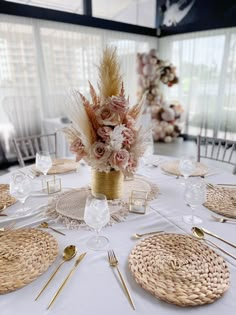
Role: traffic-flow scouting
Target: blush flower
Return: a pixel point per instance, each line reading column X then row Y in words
column 100, row 152
column 105, row 116
column 128, row 136
column 77, row 147
column 132, row 164
column 118, row 104
column 105, row 133
column 119, row 160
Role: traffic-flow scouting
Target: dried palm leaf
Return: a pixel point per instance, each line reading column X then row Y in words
column 109, row 74
column 80, row 120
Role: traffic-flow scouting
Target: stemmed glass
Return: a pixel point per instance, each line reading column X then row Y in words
column 20, row 188
column 43, row 162
column 187, row 167
column 194, row 195
column 96, row 216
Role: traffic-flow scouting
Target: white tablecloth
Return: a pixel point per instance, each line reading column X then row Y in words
column 94, row 288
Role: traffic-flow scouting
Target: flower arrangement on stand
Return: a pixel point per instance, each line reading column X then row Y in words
column 166, row 118
column 105, row 131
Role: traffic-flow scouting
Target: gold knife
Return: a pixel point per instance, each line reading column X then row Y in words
column 66, row 279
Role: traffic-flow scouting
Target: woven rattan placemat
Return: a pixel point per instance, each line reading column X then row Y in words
column 61, row 166
column 172, row 167
column 221, row 200
column 24, row 255
column 5, row 198
column 179, row 269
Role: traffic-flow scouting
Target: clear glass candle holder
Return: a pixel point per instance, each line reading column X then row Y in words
column 138, row 201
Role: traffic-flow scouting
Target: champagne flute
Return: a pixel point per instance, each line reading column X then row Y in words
column 20, row 188
column 194, row 195
column 43, row 162
column 96, row 216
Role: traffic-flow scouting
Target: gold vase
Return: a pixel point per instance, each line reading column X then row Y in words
column 109, row 184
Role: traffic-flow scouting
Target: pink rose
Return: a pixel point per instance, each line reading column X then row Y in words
column 105, row 116
column 100, row 152
column 132, row 164
column 104, row 133
column 78, row 148
column 118, row 104
column 128, row 135
column 119, row 159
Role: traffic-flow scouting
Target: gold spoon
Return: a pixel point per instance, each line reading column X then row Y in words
column 198, row 233
column 202, row 231
column 46, row 226
column 137, row 235
column 68, row 253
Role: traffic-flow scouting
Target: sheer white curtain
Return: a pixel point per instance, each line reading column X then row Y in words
column 40, row 60
column 206, row 65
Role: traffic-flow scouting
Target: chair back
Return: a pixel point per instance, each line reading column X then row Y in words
column 27, row 147
column 217, row 149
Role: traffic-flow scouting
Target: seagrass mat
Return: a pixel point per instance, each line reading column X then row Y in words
column 221, row 200
column 68, row 207
column 61, row 166
column 179, row 269
column 5, row 198
column 172, row 167
column 24, row 255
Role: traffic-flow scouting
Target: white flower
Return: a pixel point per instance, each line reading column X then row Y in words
column 117, row 138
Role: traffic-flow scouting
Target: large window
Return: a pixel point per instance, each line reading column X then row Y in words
column 41, row 60
column 206, row 64
column 139, row 12
column 75, row 6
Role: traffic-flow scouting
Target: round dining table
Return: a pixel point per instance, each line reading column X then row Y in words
column 94, row 288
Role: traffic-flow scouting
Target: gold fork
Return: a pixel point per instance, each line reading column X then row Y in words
column 114, row 263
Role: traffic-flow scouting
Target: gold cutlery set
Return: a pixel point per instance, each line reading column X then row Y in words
column 68, row 253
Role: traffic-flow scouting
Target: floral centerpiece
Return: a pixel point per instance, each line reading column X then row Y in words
column 105, row 131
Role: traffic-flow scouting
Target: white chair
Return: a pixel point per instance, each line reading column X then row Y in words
column 27, row 147
column 217, row 149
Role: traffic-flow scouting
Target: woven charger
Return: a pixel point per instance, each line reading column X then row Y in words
column 221, row 200
column 24, row 255
column 172, row 167
column 61, row 166
column 179, row 269
column 5, row 198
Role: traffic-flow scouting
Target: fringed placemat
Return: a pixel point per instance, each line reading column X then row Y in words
column 24, row 255
column 172, row 167
column 179, row 270
column 221, row 200
column 68, row 207
column 5, row 198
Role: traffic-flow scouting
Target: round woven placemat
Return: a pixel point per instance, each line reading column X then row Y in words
column 68, row 207
column 5, row 198
column 179, row 269
column 24, row 255
column 222, row 201
column 172, row 167
column 61, row 166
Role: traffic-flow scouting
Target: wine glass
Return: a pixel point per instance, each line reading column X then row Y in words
column 20, row 188
column 194, row 195
column 187, row 167
column 97, row 215
column 43, row 162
